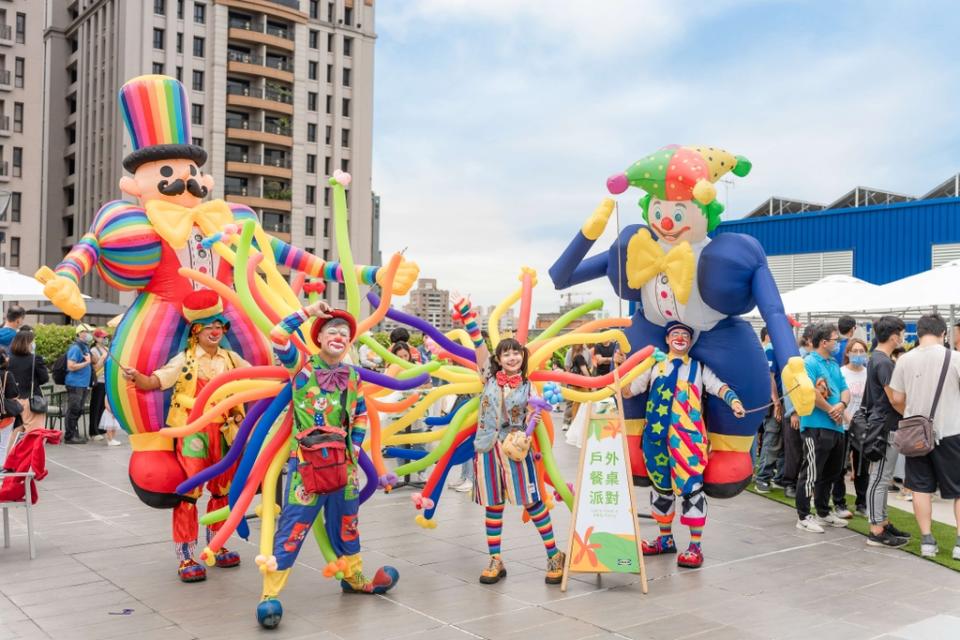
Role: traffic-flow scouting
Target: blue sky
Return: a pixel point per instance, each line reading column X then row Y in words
column 497, row 122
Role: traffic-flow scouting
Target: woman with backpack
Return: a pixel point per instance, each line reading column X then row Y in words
column 31, row 373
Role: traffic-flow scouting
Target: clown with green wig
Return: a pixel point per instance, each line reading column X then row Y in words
column 672, row 271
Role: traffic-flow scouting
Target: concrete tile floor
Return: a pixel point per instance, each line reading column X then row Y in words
column 101, row 551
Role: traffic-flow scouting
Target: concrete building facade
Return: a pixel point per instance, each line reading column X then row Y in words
column 431, row 304
column 281, row 96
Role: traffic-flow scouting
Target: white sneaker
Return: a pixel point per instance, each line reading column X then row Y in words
column 464, row 487
column 113, row 443
column 99, row 436
column 931, row 551
column 831, row 520
column 846, row 514
column 956, row 552
column 809, row 524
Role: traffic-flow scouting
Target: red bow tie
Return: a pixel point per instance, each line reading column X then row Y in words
column 503, row 379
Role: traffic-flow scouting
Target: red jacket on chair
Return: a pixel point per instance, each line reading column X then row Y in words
column 27, row 455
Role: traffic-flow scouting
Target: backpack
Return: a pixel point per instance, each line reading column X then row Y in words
column 868, row 431
column 59, row 370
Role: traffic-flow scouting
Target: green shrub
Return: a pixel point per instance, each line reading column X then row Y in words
column 53, row 340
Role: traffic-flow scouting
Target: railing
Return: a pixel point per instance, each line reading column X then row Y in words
column 249, row 25
column 245, row 192
column 251, row 125
column 250, row 58
column 273, row 95
column 281, row 162
column 293, row 4
column 253, row 192
column 255, row 158
column 276, row 227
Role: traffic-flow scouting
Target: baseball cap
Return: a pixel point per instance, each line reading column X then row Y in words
column 83, row 327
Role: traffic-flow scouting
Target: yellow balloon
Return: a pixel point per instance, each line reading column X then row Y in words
column 552, row 345
column 268, row 504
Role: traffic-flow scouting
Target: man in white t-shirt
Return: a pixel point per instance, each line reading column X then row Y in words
column 914, row 385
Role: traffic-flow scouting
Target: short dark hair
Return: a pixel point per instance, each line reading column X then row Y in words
column 400, row 346
column 886, row 326
column 846, row 324
column 823, row 332
column 763, row 333
column 931, row 324
column 15, row 312
column 399, row 335
column 807, row 334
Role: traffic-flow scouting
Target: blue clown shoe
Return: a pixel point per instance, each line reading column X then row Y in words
column 269, row 612
column 226, row 559
column 382, row 581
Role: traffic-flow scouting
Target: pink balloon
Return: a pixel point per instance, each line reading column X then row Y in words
column 617, row 184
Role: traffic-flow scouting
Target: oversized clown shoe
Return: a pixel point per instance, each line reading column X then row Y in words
column 139, row 245
column 672, row 271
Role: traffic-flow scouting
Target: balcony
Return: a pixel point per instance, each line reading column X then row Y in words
column 254, row 198
column 260, row 33
column 5, row 126
column 269, row 99
column 255, row 65
column 5, row 80
column 253, row 163
column 255, row 132
column 6, row 35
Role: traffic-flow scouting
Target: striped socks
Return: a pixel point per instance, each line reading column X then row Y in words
column 494, row 529
column 541, row 519
column 695, row 534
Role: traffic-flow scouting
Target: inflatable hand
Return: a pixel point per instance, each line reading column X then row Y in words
column 597, row 222
column 405, row 278
column 797, row 385
column 63, row 292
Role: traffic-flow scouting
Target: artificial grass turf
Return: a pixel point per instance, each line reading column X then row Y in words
column 945, row 535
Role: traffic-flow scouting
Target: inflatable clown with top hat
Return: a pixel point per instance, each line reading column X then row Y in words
column 140, row 244
column 672, row 271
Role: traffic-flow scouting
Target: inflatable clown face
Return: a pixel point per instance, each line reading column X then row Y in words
column 678, row 221
column 176, row 180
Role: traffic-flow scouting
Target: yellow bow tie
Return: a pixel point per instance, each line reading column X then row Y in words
column 645, row 259
column 174, row 222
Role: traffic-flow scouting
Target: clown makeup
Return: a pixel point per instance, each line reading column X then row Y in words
column 675, row 222
column 209, row 337
column 334, row 339
column 679, row 340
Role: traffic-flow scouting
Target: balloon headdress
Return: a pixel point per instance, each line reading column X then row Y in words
column 204, row 307
column 157, row 115
column 678, row 173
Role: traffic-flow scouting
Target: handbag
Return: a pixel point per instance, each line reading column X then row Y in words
column 516, row 445
column 915, row 435
column 10, row 408
column 38, row 404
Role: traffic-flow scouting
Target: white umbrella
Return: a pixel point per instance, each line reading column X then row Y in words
column 938, row 287
column 16, row 286
column 833, row 294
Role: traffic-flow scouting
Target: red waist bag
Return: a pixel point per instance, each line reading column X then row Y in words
column 324, row 453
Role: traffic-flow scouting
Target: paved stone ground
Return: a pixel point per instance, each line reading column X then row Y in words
column 102, row 551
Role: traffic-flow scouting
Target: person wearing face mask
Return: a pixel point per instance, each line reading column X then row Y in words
column 98, row 393
column 78, row 378
column 187, row 373
column 822, row 433
column 675, row 444
column 854, row 371
column 792, row 444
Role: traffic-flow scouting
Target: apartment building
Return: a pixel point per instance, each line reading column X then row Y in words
column 281, row 96
column 431, row 304
column 21, row 90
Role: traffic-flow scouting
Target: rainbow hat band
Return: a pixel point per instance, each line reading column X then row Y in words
column 157, row 115
column 204, row 307
column 680, row 173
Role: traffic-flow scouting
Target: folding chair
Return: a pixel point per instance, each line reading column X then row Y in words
column 27, row 504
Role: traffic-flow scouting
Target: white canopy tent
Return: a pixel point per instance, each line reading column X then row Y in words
column 833, row 295
column 937, row 288
column 15, row 286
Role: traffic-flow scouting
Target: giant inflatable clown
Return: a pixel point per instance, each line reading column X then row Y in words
column 141, row 246
column 673, row 272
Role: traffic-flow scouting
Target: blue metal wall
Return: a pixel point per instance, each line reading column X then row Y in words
column 888, row 242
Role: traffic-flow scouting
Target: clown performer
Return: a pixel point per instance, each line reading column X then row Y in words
column 330, row 418
column 675, row 446
column 141, row 245
column 503, row 462
column 673, row 272
column 187, row 373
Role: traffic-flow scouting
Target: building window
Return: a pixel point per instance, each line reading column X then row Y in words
column 158, row 68
column 314, row 9
column 312, row 101
column 179, row 42
column 71, row 166
column 348, row 15
column 311, row 224
column 197, row 80
column 199, row 13
column 326, row 254
column 311, row 163
column 346, row 76
column 326, row 221
column 196, row 113
column 329, row 73
column 311, row 199
column 347, row 46
column 314, row 39
column 345, row 138
column 345, row 165
column 15, row 198
column 14, row 252
column 341, row 291
column 326, row 167
column 21, row 28
column 180, row 74
column 311, row 132
column 17, row 162
column 330, row 10
column 198, row 46
column 326, row 203
column 329, row 43
column 329, row 104
column 18, row 117
column 328, row 135
column 345, row 107
column 197, row 142
column 158, row 39
column 312, row 67
column 160, row 7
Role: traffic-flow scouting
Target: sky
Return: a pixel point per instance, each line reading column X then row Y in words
column 497, row 122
